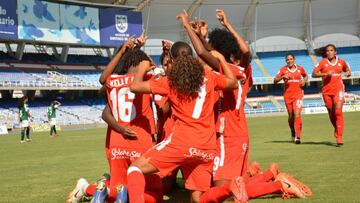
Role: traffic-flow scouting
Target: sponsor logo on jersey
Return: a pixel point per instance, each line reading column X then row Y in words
column 198, row 154
column 118, row 153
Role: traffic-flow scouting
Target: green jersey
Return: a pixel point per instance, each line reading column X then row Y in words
column 24, row 112
column 52, row 111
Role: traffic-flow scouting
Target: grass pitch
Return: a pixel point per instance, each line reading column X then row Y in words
column 46, row 169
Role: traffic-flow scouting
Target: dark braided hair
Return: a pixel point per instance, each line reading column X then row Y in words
column 131, row 58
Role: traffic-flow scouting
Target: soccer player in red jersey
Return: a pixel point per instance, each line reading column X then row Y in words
column 294, row 77
column 192, row 143
column 330, row 69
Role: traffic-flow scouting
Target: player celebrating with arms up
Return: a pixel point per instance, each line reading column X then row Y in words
column 330, row 69
column 291, row 74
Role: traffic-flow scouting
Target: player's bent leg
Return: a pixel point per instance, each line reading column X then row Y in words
column 136, row 179
column 78, row 192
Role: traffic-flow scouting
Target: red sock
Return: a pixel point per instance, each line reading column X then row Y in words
column 152, row 197
column 261, row 178
column 90, row 190
column 339, row 122
column 298, row 126
column 260, row 189
column 136, row 185
column 216, row 194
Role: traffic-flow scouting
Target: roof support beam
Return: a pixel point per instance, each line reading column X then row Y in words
column 308, row 36
column 191, row 10
column 20, row 51
column 247, row 18
column 142, row 5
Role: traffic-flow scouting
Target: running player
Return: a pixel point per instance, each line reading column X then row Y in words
column 24, row 116
column 51, row 113
column 330, row 69
column 294, row 77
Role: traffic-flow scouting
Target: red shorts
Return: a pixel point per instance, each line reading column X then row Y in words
column 293, row 103
column 331, row 100
column 196, row 164
column 120, row 158
column 232, row 157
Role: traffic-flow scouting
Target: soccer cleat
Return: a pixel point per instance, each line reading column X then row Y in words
column 22, row 141
column 339, row 140
column 101, row 191
column 238, row 190
column 122, row 194
column 291, row 186
column 275, row 169
column 254, row 169
column 28, row 140
column 78, row 192
column 297, row 140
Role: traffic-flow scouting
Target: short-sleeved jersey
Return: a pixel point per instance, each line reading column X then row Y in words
column 292, row 85
column 245, row 90
column 51, row 111
column 131, row 110
column 333, row 84
column 24, row 112
column 194, row 117
column 229, row 118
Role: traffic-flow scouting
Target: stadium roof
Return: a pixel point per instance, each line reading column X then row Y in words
column 274, row 17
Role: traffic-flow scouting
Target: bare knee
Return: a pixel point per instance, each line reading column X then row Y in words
column 195, row 196
column 144, row 165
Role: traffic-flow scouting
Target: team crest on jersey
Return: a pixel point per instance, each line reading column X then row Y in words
column 121, row 23
column 298, row 71
column 317, row 65
column 339, row 64
column 326, row 65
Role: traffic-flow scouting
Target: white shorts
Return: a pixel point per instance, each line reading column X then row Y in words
column 24, row 123
column 53, row 121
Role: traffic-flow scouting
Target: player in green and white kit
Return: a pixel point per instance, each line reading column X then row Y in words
column 24, row 116
column 52, row 117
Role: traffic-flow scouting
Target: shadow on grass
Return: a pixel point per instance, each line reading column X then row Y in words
column 327, row 143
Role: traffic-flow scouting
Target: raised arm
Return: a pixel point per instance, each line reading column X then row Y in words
column 138, row 85
column 202, row 52
column 113, row 63
column 245, row 56
column 231, row 81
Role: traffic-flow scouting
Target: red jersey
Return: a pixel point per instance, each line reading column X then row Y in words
column 245, row 89
column 332, row 84
column 194, row 118
column 229, row 119
column 293, row 84
column 131, row 110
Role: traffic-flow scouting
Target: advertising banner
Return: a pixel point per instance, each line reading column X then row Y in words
column 117, row 26
column 43, row 127
column 38, row 20
column 79, row 24
column 8, row 19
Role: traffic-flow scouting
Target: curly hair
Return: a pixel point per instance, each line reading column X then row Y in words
column 225, row 43
column 186, row 76
column 129, row 59
column 322, row 50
